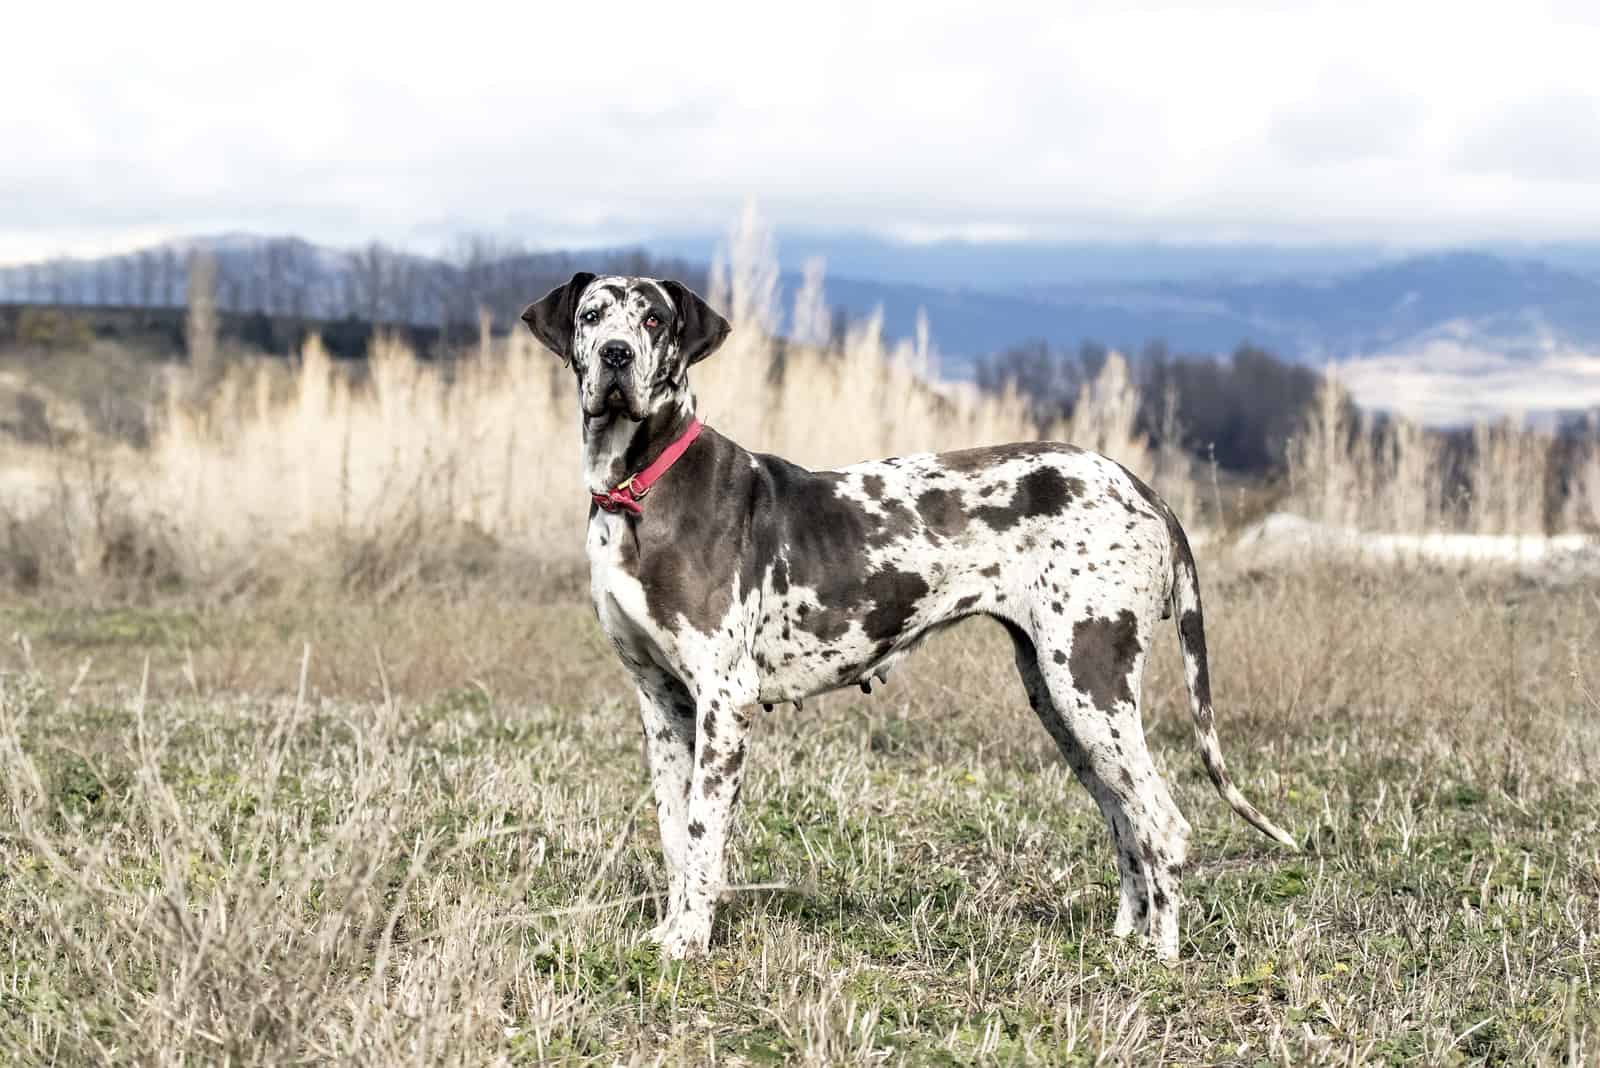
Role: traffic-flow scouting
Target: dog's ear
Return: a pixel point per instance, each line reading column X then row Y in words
column 553, row 316
column 700, row 330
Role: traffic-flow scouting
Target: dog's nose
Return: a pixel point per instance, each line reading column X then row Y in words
column 616, row 354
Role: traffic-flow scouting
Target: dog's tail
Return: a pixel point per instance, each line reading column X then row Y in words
column 1192, row 637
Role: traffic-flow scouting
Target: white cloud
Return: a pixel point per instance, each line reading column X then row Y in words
column 1550, row 137
column 1348, row 116
column 1449, row 383
column 1179, row 121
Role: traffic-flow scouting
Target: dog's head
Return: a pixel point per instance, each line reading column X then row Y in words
column 630, row 340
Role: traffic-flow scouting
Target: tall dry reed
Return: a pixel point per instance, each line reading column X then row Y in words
column 1348, row 469
column 1583, row 497
column 1509, row 465
column 200, row 324
column 1330, row 471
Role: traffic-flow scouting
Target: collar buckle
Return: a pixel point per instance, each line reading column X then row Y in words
column 627, row 494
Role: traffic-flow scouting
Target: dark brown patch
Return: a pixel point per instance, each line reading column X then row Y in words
column 872, row 486
column 679, row 586
column 1103, row 652
column 1060, row 657
column 1192, row 634
column 697, row 829
column 895, row 524
column 1041, row 492
column 992, row 571
column 941, row 512
column 969, row 460
column 894, row 596
column 967, row 602
column 1112, row 492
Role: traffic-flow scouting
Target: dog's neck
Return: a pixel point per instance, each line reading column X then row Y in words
column 615, row 446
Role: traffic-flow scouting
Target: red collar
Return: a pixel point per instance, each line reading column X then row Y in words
column 626, row 497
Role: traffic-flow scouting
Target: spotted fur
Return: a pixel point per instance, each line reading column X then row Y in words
column 749, row 580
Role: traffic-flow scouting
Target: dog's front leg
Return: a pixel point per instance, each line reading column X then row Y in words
column 721, row 739
column 667, row 713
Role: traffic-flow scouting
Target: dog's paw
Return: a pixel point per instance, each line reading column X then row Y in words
column 680, row 940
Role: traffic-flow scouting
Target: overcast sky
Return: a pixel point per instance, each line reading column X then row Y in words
column 571, row 122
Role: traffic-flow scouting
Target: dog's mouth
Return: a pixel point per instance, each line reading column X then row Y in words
column 610, row 399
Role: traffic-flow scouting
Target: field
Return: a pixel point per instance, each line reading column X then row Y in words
column 311, row 750
column 423, row 842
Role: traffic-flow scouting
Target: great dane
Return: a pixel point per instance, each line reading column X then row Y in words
column 729, row 580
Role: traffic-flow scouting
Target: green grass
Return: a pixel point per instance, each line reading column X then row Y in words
column 460, row 873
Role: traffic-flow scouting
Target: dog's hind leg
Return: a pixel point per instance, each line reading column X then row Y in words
column 1133, row 908
column 666, row 711
column 1094, row 680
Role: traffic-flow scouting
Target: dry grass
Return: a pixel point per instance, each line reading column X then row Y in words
column 424, row 846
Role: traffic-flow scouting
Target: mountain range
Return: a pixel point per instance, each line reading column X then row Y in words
column 1513, row 307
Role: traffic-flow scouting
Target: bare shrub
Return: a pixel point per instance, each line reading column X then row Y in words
column 1582, row 509
column 1171, row 468
column 53, row 328
column 1327, row 466
column 200, row 328
column 69, row 517
column 1410, row 490
column 1508, row 470
column 1106, row 415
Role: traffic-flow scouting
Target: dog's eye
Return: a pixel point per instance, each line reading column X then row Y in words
column 591, row 316
column 652, row 321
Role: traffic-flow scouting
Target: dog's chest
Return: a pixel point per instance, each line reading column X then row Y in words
column 618, row 597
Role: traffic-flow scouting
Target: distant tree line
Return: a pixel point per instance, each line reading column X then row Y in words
column 294, row 279
column 1240, row 409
